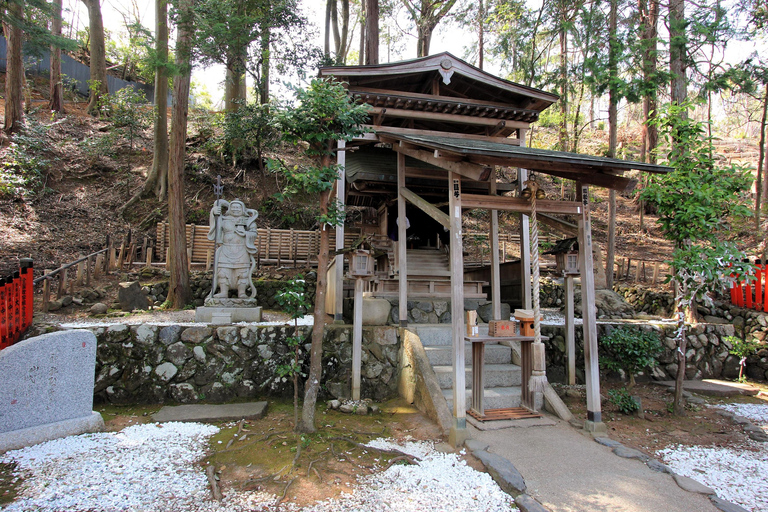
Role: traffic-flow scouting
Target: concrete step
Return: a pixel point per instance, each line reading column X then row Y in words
column 496, row 375
column 493, row 398
column 443, row 355
column 438, row 335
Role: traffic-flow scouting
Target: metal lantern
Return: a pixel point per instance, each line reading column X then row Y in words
column 360, row 263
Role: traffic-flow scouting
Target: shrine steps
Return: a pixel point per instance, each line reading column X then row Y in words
column 502, row 377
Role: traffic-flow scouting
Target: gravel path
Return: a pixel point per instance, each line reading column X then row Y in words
column 153, row 468
column 736, row 474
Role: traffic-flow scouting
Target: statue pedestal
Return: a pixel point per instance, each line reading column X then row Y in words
column 228, row 311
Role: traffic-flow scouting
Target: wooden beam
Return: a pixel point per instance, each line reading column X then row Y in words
column 426, row 207
column 589, row 313
column 447, row 118
column 495, row 273
column 469, row 170
column 560, row 225
column 520, row 205
column 369, row 136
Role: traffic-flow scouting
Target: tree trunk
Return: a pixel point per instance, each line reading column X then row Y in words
column 424, row 39
column 178, row 290
column 677, row 51
column 563, row 135
column 307, row 423
column 649, row 10
column 678, row 404
column 371, row 31
column 266, row 41
column 14, row 112
column 761, row 165
column 327, row 38
column 56, row 101
column 343, row 49
column 98, row 58
column 613, row 130
column 363, row 23
column 480, row 33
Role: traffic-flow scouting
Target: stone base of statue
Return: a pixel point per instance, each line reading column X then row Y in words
column 228, row 311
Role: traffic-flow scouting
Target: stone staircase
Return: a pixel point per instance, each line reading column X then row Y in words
column 502, row 378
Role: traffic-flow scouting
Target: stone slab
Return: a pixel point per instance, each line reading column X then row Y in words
column 691, row 485
column 527, row 504
column 503, row 472
column 726, row 506
column 475, row 445
column 47, row 379
column 204, row 314
column 502, row 424
column 207, row 412
column 714, row 387
column 17, row 439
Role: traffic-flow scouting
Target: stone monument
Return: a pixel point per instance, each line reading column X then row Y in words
column 233, row 230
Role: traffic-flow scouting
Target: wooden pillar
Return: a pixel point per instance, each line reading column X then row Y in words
column 494, row 238
column 570, row 331
column 402, row 242
column 341, row 160
column 458, row 433
column 594, row 421
column 357, row 338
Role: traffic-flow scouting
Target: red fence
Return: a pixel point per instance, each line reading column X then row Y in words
column 15, row 304
column 752, row 294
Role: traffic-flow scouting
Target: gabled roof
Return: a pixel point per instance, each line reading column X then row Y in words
column 456, row 77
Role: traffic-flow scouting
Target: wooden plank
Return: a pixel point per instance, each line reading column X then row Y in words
column 472, row 171
column 357, row 339
column 413, row 131
column 560, row 225
column 520, row 205
column 444, row 117
column 426, row 207
column 586, row 267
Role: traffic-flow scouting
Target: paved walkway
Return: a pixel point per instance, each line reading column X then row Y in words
column 567, row 471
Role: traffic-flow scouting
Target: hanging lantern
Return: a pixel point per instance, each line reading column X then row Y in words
column 360, row 263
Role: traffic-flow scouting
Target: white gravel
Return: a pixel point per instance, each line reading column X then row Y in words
column 153, row 468
column 736, row 474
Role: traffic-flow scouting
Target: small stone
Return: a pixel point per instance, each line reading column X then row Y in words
column 334, row 404
column 573, row 393
column 99, row 308
column 630, row 453
column 476, row 445
column 347, row 408
column 54, row 305
column 66, row 300
column 691, row 485
column 361, row 410
column 375, row 409
column 503, row 472
column 726, row 506
column 605, row 441
column 658, row 466
column 527, row 504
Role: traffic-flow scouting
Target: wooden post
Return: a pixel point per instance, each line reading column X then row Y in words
column 191, row 249
column 62, row 284
column 592, row 372
column 458, row 433
column 628, row 269
column 148, row 254
column 88, row 272
column 80, row 272
column 98, row 266
column 167, row 256
column 357, row 338
column 71, row 286
column 402, row 244
column 570, row 331
column 144, row 249
column 341, row 160
column 209, row 259
column 121, row 256
column 494, row 241
column 46, row 291
column 131, row 254
column 112, row 260
column 655, row 272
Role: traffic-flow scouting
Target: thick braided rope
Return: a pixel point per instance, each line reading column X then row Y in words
column 535, row 264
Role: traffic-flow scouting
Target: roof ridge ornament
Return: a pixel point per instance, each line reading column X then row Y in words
column 446, row 70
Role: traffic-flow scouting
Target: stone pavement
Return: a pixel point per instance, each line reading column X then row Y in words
column 207, row 412
column 567, row 471
column 713, row 387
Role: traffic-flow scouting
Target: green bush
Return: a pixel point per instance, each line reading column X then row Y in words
column 24, row 165
column 629, row 350
column 249, row 131
column 625, row 402
column 741, row 349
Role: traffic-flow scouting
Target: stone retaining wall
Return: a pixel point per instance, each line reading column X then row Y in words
column 707, row 352
column 186, row 364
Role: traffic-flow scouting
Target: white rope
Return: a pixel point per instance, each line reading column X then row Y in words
column 538, row 380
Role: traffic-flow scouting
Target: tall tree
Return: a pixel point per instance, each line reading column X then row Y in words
column 56, row 91
column 324, row 114
column 649, row 15
column 14, row 76
column 371, row 31
column 98, row 55
column 613, row 130
column 426, row 14
column 178, row 289
column 678, row 47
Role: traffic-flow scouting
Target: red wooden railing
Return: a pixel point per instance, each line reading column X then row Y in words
column 752, row 294
column 15, row 304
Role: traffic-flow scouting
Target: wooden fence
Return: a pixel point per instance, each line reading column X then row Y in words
column 276, row 246
column 15, row 304
column 507, row 242
column 648, row 271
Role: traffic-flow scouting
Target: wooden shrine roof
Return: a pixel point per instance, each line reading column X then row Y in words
column 441, row 90
column 594, row 170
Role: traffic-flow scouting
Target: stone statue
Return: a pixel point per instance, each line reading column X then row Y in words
column 234, row 233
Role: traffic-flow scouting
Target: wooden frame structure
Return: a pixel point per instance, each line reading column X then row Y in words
column 450, row 125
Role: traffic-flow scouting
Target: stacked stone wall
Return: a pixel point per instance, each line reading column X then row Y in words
column 187, row 364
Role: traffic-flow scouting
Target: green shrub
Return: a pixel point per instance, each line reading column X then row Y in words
column 741, row 349
column 625, row 402
column 629, row 350
column 24, row 165
column 249, row 131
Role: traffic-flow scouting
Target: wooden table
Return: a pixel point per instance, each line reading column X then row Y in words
column 478, row 367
